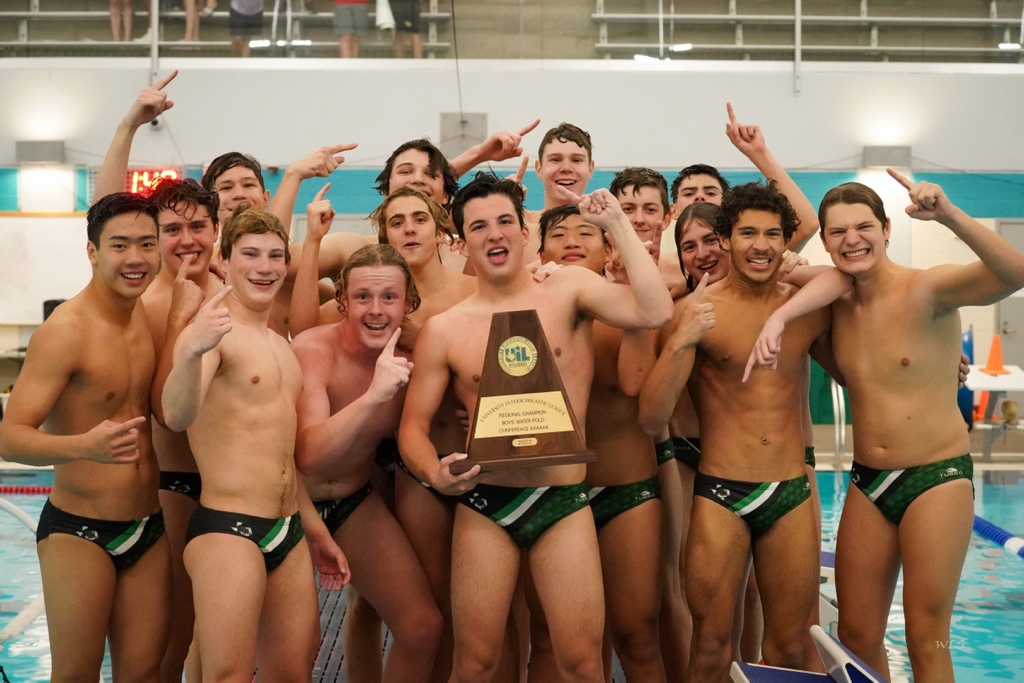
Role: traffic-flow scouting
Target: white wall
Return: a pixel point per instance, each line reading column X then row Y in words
column 661, row 115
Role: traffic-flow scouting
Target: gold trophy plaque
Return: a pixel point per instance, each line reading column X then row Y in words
column 523, row 417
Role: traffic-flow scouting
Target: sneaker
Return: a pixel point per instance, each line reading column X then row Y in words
column 207, row 11
column 146, row 37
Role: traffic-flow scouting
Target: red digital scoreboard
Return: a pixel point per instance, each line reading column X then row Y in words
column 143, row 180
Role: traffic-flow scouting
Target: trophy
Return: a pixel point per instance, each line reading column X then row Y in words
column 523, row 417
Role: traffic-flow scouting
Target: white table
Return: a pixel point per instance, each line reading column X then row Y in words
column 997, row 386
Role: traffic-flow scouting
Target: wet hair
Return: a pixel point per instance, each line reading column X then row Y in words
column 566, row 132
column 187, row 194
column 756, row 196
column 484, row 185
column 638, row 177
column 697, row 169
column 114, row 205
column 442, row 221
column 226, row 162
column 702, row 212
column 552, row 218
column 376, row 255
column 436, row 163
column 247, row 220
column 852, row 193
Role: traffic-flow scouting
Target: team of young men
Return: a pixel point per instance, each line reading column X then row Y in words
column 275, row 428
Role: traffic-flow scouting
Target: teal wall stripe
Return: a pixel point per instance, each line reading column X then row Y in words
column 8, row 189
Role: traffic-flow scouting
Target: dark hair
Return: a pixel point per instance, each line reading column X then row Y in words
column 697, row 169
column 436, row 163
column 187, row 194
column 702, row 212
column 377, row 255
column 852, row 193
column 226, row 162
column 115, row 205
column 442, row 221
column 484, row 185
column 555, row 217
column 249, row 221
column 637, row 177
column 757, row 196
column 566, row 132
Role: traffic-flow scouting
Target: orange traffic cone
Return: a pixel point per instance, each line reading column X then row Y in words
column 995, row 366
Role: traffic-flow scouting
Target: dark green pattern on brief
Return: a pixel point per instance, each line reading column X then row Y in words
column 688, row 451
column 608, row 502
column 527, row 513
column 910, row 483
column 786, row 497
column 665, row 451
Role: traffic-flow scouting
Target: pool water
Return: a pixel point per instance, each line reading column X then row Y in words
column 987, row 629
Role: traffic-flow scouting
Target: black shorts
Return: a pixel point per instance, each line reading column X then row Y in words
column 407, row 15
column 245, row 24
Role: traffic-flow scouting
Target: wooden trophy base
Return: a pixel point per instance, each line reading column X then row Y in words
column 505, row 463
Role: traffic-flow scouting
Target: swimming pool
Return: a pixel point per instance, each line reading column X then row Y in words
column 987, row 628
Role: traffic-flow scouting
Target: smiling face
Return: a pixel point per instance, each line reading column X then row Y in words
column 127, row 258
column 494, row 237
column 574, row 242
column 411, row 230
column 236, row 185
column 375, row 303
column 756, row 245
column 186, row 229
column 645, row 211
column 256, row 268
column 854, row 237
column 701, row 251
column 564, row 163
column 412, row 169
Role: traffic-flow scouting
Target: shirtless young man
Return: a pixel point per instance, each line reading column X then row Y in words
column 353, row 390
column 557, row 530
column 623, row 484
column 912, row 468
column 234, row 387
column 751, row 491
column 81, row 404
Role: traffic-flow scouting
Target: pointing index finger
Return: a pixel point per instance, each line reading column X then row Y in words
column 905, row 182
column 323, row 191
column 527, row 128
column 568, row 194
column 218, row 297
column 389, row 348
column 522, row 169
column 701, row 286
column 131, row 424
column 182, row 273
column 162, row 83
column 335, row 149
column 732, row 114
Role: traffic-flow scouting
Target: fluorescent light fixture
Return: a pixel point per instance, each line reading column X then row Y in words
column 681, row 47
column 884, row 157
column 39, row 151
column 644, row 58
column 1009, row 46
column 259, row 43
column 302, row 43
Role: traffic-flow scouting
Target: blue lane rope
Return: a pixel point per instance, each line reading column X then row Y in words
column 999, row 536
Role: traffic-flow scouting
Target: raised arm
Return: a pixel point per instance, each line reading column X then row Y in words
column 196, row 359
column 323, row 436
column 505, row 144
column 50, row 363
column 999, row 273
column 668, row 377
column 749, row 140
column 818, row 293
column 151, row 103
column 304, row 312
column 646, row 302
column 320, row 163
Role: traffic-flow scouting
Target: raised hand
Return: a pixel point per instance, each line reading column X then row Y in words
column 319, row 215
column 151, row 103
column 322, row 162
column 927, row 200
column 746, row 138
column 186, row 296
column 599, row 207
column 518, row 175
column 391, row 372
column 505, row 144
column 697, row 316
column 211, row 324
column 767, row 347
column 114, row 443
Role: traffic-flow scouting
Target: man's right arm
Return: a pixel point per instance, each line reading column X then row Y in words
column 49, row 366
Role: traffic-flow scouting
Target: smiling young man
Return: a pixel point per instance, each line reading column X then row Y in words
column 81, row 404
column 234, row 387
column 555, row 528
column 751, row 491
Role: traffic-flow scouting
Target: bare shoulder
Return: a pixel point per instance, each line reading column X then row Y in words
column 63, row 335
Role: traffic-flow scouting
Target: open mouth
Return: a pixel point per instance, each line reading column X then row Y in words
column 376, row 327
column 134, row 278
column 855, row 254
column 497, row 254
column 262, row 284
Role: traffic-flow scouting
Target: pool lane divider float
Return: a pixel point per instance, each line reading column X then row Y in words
column 25, row 490
column 999, row 536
